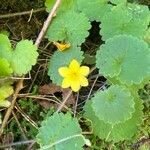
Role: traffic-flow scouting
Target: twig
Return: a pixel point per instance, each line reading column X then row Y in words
column 17, row 143
column 75, row 107
column 47, row 22
column 20, row 82
column 64, row 102
column 21, row 13
column 19, row 126
column 92, row 87
column 9, row 110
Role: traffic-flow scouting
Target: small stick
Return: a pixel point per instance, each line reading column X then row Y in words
column 20, row 82
column 64, row 102
column 9, row 110
column 21, row 13
column 17, row 143
column 47, row 22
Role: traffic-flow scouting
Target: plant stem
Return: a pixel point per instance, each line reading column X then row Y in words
column 21, row 13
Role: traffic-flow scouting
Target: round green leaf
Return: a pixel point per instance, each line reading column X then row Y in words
column 5, row 91
column 114, row 105
column 127, row 62
column 24, row 57
column 118, row 1
column 5, row 47
column 62, row 59
column 64, row 6
column 117, row 132
column 133, row 20
column 5, row 70
column 60, row 132
column 71, row 27
column 94, row 9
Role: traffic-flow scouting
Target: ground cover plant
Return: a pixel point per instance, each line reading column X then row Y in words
column 79, row 82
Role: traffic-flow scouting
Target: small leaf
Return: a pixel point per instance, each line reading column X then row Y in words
column 114, row 105
column 119, row 58
column 5, row 92
column 61, row 132
column 5, row 47
column 94, row 9
column 61, row 59
column 90, row 60
column 5, row 69
column 24, row 56
column 69, row 27
column 118, row 132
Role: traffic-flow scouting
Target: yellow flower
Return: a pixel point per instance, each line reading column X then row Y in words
column 61, row 46
column 74, row 75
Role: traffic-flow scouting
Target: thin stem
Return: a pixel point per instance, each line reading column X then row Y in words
column 47, row 22
column 64, row 102
column 17, row 143
column 21, row 13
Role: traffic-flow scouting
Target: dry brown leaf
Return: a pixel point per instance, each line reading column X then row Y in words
column 48, row 89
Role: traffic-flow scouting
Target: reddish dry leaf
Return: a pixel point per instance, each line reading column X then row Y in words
column 48, row 89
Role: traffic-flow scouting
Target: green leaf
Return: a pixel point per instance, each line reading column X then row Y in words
column 133, row 20
column 22, row 58
column 60, row 59
column 64, row 6
column 0, row 118
column 119, row 132
column 113, row 105
column 5, row 47
column 119, row 58
column 71, row 27
column 89, row 59
column 5, row 91
column 147, row 37
column 5, row 70
column 94, row 9
column 118, row 1
column 60, row 132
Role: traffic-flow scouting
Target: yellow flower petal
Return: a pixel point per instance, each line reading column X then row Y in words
column 83, row 81
column 66, row 83
column 74, row 65
column 75, row 86
column 61, row 46
column 84, row 70
column 64, row 71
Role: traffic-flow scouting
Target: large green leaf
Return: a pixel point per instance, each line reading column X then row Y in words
column 62, row 59
column 22, row 58
column 118, row 132
column 60, row 132
column 94, row 9
column 131, row 19
column 71, row 27
column 5, row 69
column 127, row 62
column 5, row 91
column 113, row 105
column 64, row 5
column 118, row 1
